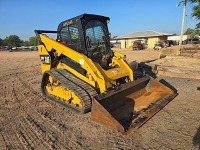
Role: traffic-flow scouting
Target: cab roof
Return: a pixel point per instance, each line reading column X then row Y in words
column 83, row 18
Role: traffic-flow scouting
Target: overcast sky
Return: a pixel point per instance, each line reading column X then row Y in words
column 22, row 17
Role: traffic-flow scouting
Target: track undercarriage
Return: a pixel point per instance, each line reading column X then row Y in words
column 62, row 87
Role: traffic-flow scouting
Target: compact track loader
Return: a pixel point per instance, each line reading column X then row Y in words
column 81, row 72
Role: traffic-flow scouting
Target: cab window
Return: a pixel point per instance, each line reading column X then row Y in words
column 70, row 35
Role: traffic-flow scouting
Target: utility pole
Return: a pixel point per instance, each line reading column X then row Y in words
column 183, row 20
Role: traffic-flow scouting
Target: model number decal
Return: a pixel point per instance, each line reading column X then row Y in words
column 67, row 23
column 45, row 59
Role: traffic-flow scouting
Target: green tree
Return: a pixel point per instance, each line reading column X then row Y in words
column 5, row 41
column 190, row 31
column 195, row 8
column 25, row 43
column 1, row 42
column 14, row 40
column 33, row 41
column 198, row 29
column 193, row 32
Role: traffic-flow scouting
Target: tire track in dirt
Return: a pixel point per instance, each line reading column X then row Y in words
column 50, row 133
column 54, row 115
column 9, row 142
column 17, row 127
column 15, row 71
column 54, row 125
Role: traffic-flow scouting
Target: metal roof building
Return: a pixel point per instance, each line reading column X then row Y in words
column 150, row 37
column 143, row 34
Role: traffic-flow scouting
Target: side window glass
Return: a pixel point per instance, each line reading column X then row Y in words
column 89, row 33
column 74, row 35
column 65, row 35
column 70, row 35
column 98, row 33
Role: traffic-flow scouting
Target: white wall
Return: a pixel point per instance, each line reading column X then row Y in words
column 177, row 37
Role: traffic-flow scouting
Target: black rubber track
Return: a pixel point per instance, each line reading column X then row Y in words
column 84, row 91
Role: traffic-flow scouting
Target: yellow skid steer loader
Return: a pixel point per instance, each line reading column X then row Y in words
column 81, row 72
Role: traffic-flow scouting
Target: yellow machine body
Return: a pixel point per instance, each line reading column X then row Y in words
column 123, row 106
column 96, row 76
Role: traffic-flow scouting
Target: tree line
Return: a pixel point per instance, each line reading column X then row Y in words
column 15, row 41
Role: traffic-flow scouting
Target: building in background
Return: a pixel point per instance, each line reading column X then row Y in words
column 148, row 38
column 187, row 39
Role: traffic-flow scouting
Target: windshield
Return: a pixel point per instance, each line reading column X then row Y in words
column 96, row 38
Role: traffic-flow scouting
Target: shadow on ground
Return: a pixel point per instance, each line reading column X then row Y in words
column 147, row 69
column 141, row 69
column 196, row 138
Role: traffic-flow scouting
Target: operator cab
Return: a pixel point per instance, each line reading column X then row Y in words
column 87, row 34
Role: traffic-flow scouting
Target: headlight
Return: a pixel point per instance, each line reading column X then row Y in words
column 81, row 61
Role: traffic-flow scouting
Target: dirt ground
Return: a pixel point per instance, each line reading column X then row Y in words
column 27, row 121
